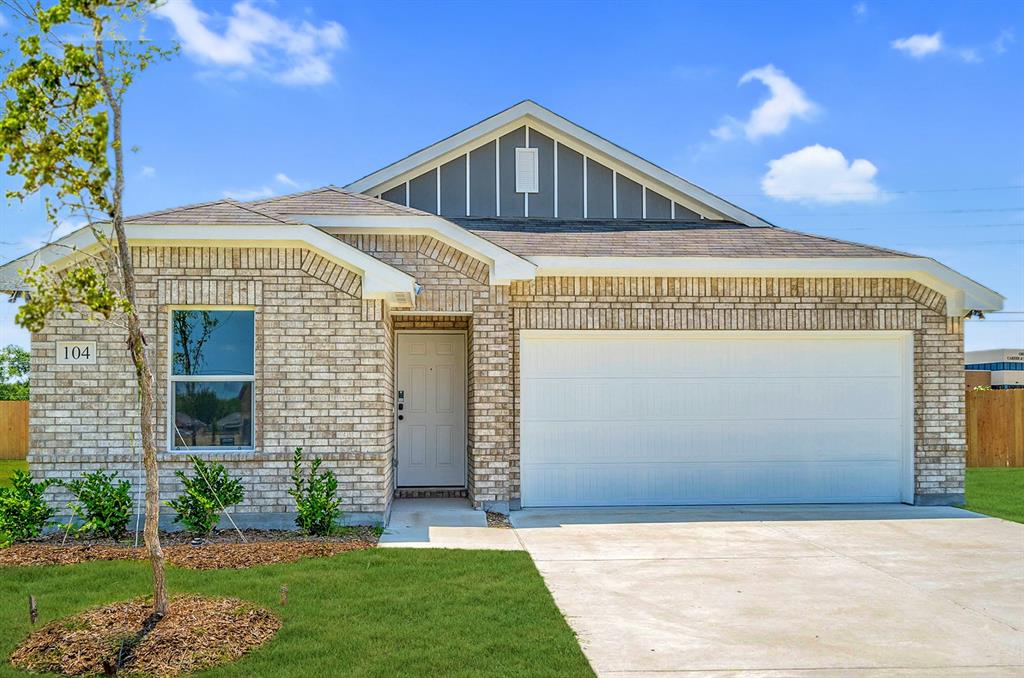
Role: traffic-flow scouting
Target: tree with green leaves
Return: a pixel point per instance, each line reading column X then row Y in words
column 61, row 133
column 14, row 368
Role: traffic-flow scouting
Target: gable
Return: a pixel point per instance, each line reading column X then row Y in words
column 579, row 176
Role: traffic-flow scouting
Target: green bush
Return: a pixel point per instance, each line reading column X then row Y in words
column 23, row 511
column 205, row 495
column 316, row 500
column 103, row 506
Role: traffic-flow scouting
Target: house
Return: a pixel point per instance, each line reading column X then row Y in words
column 529, row 315
column 999, row 368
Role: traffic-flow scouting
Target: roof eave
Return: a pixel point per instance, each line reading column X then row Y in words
column 380, row 280
column 505, row 266
column 962, row 294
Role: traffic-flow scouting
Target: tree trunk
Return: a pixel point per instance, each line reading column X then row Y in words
column 151, row 532
column 136, row 345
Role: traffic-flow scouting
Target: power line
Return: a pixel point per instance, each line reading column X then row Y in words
column 863, row 214
column 1015, row 224
column 976, row 243
column 882, row 191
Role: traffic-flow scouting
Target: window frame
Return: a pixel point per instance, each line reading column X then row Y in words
column 173, row 379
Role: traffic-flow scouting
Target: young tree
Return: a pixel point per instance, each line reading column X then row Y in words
column 14, row 368
column 61, row 132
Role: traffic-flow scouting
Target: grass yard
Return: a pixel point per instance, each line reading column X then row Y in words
column 381, row 612
column 9, row 466
column 996, row 492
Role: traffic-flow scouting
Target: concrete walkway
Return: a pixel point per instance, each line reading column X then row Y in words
column 443, row 524
column 786, row 591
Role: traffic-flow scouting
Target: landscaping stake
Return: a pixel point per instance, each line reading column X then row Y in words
column 284, row 595
column 227, row 514
column 33, row 612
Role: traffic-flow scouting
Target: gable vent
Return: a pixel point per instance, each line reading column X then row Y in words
column 527, row 167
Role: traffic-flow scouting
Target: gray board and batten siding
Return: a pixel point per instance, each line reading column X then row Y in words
column 571, row 185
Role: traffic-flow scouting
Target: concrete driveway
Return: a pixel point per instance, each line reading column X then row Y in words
column 786, row 591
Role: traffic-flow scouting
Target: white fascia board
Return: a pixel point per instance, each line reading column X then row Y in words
column 380, row 281
column 505, row 266
column 525, row 111
column 69, row 248
column 962, row 294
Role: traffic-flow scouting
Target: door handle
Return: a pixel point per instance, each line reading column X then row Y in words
column 401, row 417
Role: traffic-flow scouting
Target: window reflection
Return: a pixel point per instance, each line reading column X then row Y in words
column 213, row 414
column 212, row 342
column 212, row 375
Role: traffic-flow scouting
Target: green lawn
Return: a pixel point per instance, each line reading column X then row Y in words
column 9, row 466
column 382, row 612
column 996, row 492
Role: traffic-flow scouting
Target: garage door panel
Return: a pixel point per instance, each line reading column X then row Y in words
column 588, row 399
column 722, row 483
column 661, row 355
column 624, row 443
column 638, row 418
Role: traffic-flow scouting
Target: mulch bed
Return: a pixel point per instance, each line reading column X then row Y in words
column 197, row 634
column 223, row 550
column 499, row 520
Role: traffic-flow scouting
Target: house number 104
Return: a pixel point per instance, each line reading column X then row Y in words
column 76, row 352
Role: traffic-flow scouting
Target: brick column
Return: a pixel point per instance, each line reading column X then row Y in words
column 490, row 402
column 940, row 413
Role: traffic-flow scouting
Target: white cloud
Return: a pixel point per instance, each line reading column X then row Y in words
column 786, row 102
column 860, row 9
column 65, row 227
column 919, row 45
column 817, row 174
column 148, row 172
column 255, row 41
column 263, row 191
column 727, row 131
column 1003, row 41
column 286, row 180
column 969, row 55
column 246, row 194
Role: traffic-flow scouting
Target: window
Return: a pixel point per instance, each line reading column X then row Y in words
column 212, row 379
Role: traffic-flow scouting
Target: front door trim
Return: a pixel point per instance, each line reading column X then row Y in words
column 464, row 336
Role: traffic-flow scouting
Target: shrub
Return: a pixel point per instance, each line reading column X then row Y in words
column 23, row 511
column 103, row 506
column 207, row 493
column 316, row 500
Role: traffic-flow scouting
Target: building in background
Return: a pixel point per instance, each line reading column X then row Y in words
column 997, row 367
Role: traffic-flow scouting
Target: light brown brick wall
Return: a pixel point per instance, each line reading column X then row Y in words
column 454, row 282
column 323, row 375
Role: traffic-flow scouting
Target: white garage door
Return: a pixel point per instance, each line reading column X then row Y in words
column 634, row 418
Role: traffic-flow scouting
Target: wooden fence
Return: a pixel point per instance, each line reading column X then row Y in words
column 13, row 429
column 995, row 428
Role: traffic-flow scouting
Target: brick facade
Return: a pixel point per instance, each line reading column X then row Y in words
column 323, row 374
column 325, row 359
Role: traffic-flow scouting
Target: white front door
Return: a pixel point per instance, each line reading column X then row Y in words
column 620, row 418
column 430, row 410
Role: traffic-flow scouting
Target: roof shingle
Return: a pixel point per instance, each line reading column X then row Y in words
column 627, row 238
column 217, row 213
column 334, row 201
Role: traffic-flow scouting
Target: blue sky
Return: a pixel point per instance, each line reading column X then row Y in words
column 891, row 124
